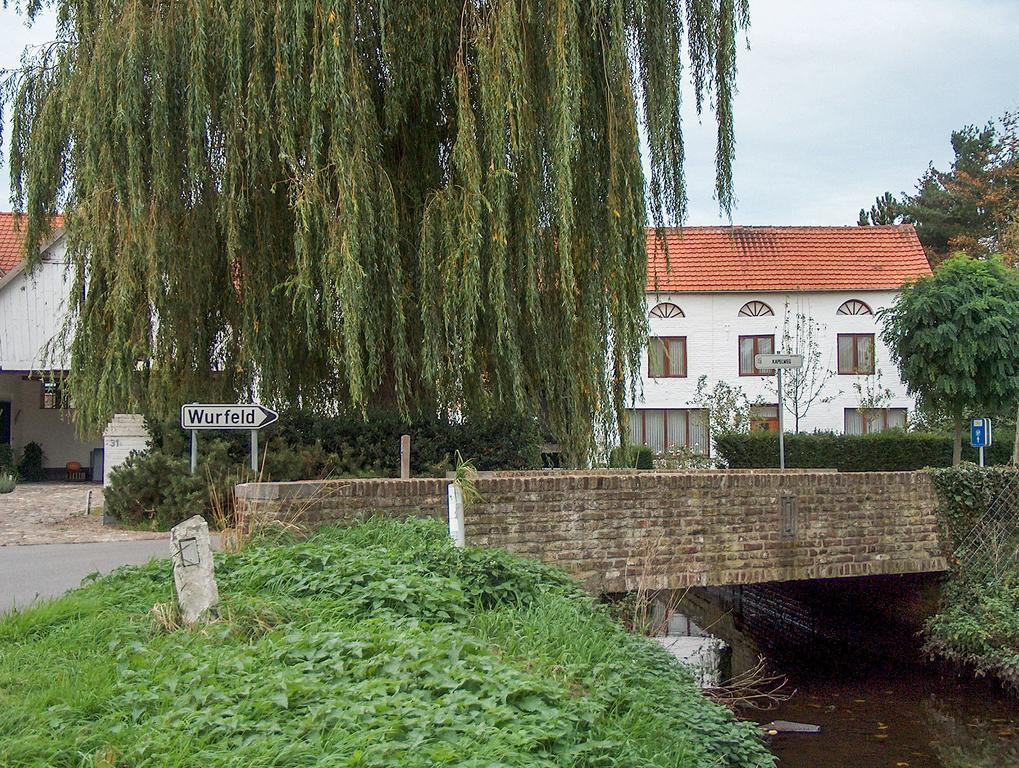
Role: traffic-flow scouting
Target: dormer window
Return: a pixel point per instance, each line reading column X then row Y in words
column 755, row 309
column 854, row 307
column 666, row 310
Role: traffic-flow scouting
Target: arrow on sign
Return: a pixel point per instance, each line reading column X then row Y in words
column 226, row 416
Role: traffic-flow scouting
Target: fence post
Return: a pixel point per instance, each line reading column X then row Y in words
column 405, row 457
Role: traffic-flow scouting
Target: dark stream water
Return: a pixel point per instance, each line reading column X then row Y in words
column 918, row 717
column 852, row 653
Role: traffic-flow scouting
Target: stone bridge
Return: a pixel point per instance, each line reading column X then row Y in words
column 615, row 530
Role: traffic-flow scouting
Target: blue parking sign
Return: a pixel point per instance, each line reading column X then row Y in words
column 980, row 433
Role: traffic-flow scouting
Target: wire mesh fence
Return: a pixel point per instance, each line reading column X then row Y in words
column 990, row 548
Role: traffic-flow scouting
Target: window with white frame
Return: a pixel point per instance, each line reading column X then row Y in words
column 863, row 421
column 662, row 429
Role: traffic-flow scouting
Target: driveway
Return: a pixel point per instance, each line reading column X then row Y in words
column 55, row 513
column 48, row 570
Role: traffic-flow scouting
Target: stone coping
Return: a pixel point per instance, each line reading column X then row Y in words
column 571, row 479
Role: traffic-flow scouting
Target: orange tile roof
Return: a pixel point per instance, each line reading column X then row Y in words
column 12, row 239
column 785, row 258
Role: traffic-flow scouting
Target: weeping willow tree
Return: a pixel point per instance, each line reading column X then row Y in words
column 431, row 206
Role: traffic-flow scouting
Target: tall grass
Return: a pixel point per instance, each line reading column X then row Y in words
column 377, row 645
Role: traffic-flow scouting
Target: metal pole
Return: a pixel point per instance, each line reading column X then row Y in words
column 254, row 450
column 194, row 450
column 981, row 455
column 405, row 457
column 781, row 424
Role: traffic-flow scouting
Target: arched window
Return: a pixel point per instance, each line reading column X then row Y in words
column 666, row 310
column 854, row 307
column 755, row 309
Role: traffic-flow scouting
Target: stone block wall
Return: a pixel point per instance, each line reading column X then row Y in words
column 614, row 530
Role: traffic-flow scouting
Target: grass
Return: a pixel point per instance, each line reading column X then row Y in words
column 378, row 645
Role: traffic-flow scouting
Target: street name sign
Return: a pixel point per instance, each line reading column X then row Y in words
column 765, row 362
column 244, row 416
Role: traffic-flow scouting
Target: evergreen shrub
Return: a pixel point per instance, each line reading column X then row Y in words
column 30, row 466
column 632, row 457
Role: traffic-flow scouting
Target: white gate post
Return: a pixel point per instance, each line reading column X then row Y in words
column 456, row 515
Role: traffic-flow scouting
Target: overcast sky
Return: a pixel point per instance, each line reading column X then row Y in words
column 839, row 100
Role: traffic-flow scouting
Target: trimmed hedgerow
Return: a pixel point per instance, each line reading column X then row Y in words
column 373, row 646
column 372, row 445
column 889, row 451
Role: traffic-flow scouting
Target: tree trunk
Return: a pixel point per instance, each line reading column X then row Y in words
column 957, row 443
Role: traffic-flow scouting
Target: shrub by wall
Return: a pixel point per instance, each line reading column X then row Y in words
column 156, row 489
column 371, row 446
column 978, row 621
column 882, row 451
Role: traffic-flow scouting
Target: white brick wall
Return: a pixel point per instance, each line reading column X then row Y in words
column 712, row 327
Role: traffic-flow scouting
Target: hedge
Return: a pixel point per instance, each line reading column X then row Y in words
column 372, row 445
column 893, row 450
column 156, row 489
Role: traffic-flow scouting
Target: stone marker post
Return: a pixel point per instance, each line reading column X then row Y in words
column 193, row 573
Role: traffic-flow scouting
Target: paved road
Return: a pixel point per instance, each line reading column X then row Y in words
column 46, row 570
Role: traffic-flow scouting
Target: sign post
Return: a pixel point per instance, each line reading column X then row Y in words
column 241, row 416
column 980, row 435
column 779, row 363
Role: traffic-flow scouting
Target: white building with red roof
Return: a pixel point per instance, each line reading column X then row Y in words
column 718, row 296
column 33, row 306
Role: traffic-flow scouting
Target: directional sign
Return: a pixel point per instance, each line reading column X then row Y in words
column 226, row 416
column 768, row 362
column 980, row 433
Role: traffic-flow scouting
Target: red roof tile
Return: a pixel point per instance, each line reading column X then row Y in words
column 784, row 258
column 12, row 239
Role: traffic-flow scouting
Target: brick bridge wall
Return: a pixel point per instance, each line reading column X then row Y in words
column 614, row 530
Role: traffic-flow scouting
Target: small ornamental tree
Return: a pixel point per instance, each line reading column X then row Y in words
column 953, row 335
column 806, row 386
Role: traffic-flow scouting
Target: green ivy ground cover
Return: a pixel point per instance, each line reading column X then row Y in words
column 379, row 645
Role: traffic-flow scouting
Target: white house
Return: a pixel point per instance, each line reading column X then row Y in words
column 717, row 296
column 32, row 310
